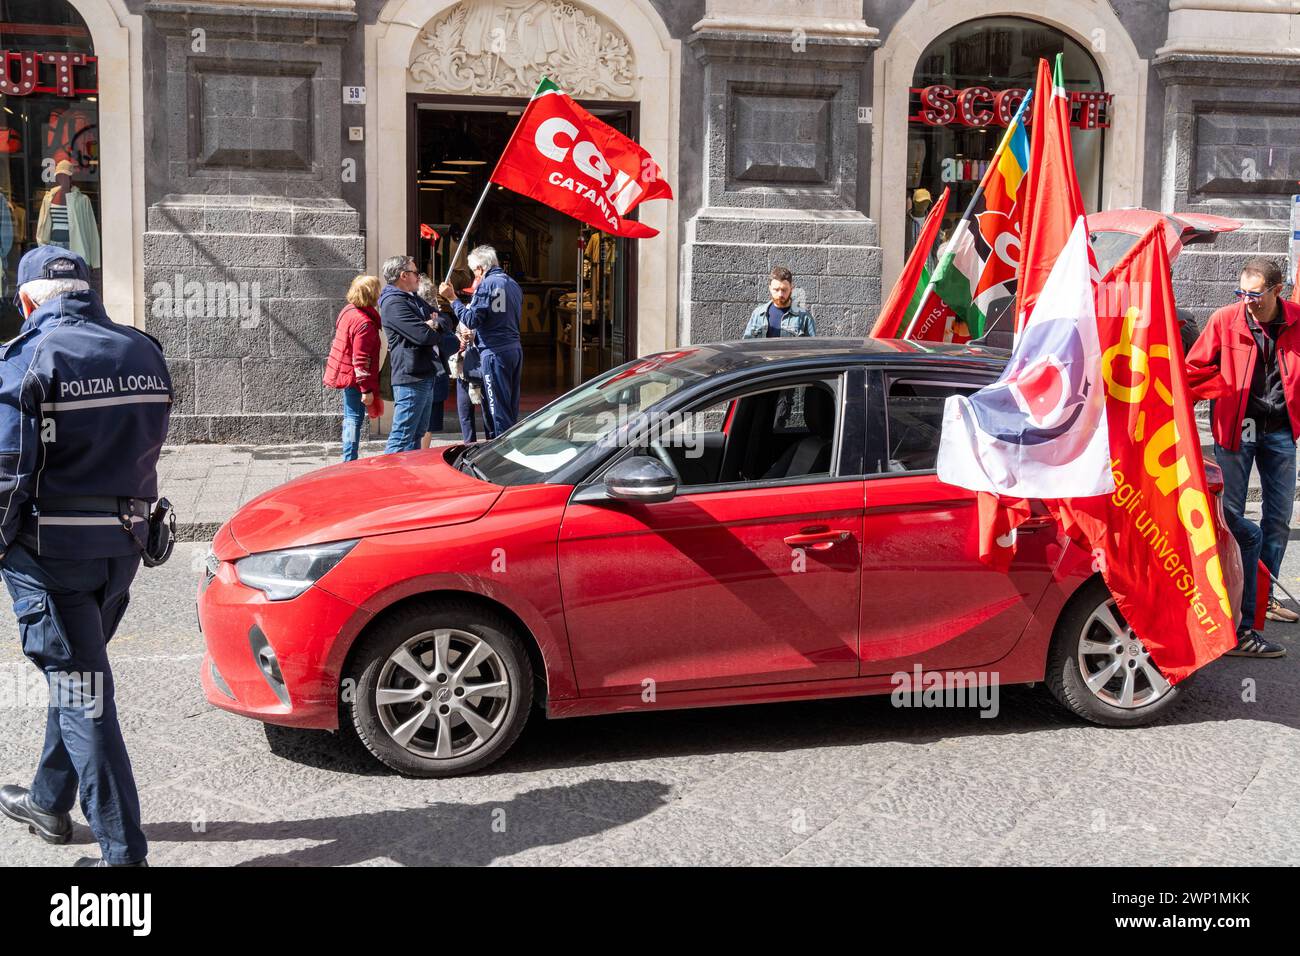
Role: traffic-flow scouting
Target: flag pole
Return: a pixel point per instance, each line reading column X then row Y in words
column 488, row 186
column 970, row 209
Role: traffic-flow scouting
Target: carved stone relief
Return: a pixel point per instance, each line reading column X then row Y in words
column 505, row 47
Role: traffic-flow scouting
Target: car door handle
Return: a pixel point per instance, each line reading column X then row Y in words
column 1036, row 523
column 817, row 539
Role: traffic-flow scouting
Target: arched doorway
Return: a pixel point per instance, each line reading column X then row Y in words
column 987, row 43
column 966, row 84
column 446, row 72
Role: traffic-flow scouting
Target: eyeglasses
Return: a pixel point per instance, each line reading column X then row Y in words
column 410, row 272
column 1253, row 296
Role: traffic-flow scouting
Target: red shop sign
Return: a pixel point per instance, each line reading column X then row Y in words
column 979, row 106
column 22, row 69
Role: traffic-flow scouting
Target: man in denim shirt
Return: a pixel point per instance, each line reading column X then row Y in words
column 781, row 316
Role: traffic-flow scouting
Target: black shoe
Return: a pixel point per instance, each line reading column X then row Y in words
column 99, row 861
column 1250, row 644
column 16, row 804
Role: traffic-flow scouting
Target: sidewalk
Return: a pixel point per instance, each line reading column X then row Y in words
column 208, row 483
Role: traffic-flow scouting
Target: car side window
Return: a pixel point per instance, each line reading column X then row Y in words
column 914, row 421
column 776, row 434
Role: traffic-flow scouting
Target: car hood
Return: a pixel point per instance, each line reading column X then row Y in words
column 372, row 496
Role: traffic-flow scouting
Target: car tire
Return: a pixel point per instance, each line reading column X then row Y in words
column 1100, row 670
column 437, row 725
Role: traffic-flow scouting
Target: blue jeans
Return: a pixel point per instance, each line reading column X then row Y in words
column 354, row 416
column 67, row 611
column 411, row 409
column 1274, row 453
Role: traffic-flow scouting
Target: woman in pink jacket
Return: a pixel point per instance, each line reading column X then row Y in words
column 353, row 363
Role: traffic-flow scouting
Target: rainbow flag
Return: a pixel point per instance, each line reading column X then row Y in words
column 977, row 266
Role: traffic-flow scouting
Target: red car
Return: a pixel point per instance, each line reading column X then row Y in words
column 725, row 524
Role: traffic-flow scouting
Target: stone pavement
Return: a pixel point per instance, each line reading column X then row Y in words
column 840, row 781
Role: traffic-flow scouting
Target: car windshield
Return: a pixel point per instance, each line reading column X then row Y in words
column 1109, row 248
column 540, row 445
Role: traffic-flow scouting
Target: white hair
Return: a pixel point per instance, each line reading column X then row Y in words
column 483, row 257
column 41, row 291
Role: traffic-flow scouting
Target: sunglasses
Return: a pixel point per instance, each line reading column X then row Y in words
column 1253, row 296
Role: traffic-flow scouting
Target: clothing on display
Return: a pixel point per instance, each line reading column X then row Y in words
column 82, row 228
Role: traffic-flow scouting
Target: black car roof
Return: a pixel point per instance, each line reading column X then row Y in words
column 716, row 358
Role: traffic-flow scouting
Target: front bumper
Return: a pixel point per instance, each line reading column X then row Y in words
column 296, row 682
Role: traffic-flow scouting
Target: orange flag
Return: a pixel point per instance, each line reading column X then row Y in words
column 894, row 313
column 1154, row 538
column 1052, row 201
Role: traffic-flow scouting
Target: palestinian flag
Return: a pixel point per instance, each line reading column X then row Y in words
column 562, row 156
column 912, row 282
column 977, row 267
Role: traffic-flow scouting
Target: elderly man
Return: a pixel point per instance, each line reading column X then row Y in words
column 493, row 315
column 414, row 333
column 84, row 408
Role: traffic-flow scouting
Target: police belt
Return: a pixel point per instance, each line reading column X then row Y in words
column 101, row 504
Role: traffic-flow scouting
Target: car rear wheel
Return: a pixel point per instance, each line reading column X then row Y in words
column 441, row 690
column 1100, row 669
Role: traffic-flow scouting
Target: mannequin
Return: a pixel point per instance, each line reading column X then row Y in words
column 68, row 217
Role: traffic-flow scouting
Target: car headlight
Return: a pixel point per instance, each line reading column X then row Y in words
column 281, row 575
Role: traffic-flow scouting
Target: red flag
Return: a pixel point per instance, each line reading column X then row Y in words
column 562, row 156
column 1154, row 538
column 998, row 518
column 1263, row 588
column 894, row 312
column 1052, row 201
column 428, row 232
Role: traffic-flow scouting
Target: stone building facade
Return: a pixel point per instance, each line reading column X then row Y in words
column 240, row 188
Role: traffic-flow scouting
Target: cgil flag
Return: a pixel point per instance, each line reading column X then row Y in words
column 1154, row 536
column 977, row 266
column 562, row 156
column 905, row 296
column 1039, row 431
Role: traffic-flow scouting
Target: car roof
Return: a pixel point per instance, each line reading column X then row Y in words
column 715, row 358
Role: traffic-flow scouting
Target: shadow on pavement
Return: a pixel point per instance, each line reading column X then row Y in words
column 440, row 833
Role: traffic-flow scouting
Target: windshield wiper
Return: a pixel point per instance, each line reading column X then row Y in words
column 467, row 467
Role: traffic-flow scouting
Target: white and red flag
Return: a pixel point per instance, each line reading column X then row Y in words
column 1039, row 431
column 562, row 156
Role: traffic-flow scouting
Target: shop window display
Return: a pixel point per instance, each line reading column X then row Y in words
column 966, row 88
column 49, row 140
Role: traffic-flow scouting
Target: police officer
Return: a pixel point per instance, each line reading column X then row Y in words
column 84, row 408
column 493, row 314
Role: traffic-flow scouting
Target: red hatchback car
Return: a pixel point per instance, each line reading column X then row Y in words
column 734, row 523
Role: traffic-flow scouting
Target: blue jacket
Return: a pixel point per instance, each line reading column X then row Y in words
column 797, row 322
column 494, row 311
column 412, row 345
column 84, row 409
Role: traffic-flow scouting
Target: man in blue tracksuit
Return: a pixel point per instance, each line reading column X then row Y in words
column 84, row 409
column 413, row 331
column 493, row 314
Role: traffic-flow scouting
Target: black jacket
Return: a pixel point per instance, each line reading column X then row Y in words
column 412, row 345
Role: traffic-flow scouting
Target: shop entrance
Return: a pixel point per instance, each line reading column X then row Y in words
column 49, row 140
column 454, row 148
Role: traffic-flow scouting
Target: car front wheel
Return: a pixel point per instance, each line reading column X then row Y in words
column 1100, row 669
column 440, row 690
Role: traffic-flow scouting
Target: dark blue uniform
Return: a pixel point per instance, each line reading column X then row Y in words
column 84, row 409
column 493, row 313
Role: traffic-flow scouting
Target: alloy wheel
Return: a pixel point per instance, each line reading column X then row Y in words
column 443, row 693
column 1115, row 664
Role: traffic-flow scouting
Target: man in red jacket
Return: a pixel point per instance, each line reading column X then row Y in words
column 1247, row 360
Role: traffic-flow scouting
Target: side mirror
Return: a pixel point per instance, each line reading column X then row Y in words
column 640, row 478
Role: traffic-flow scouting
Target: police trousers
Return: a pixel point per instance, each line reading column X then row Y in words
column 67, row 610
